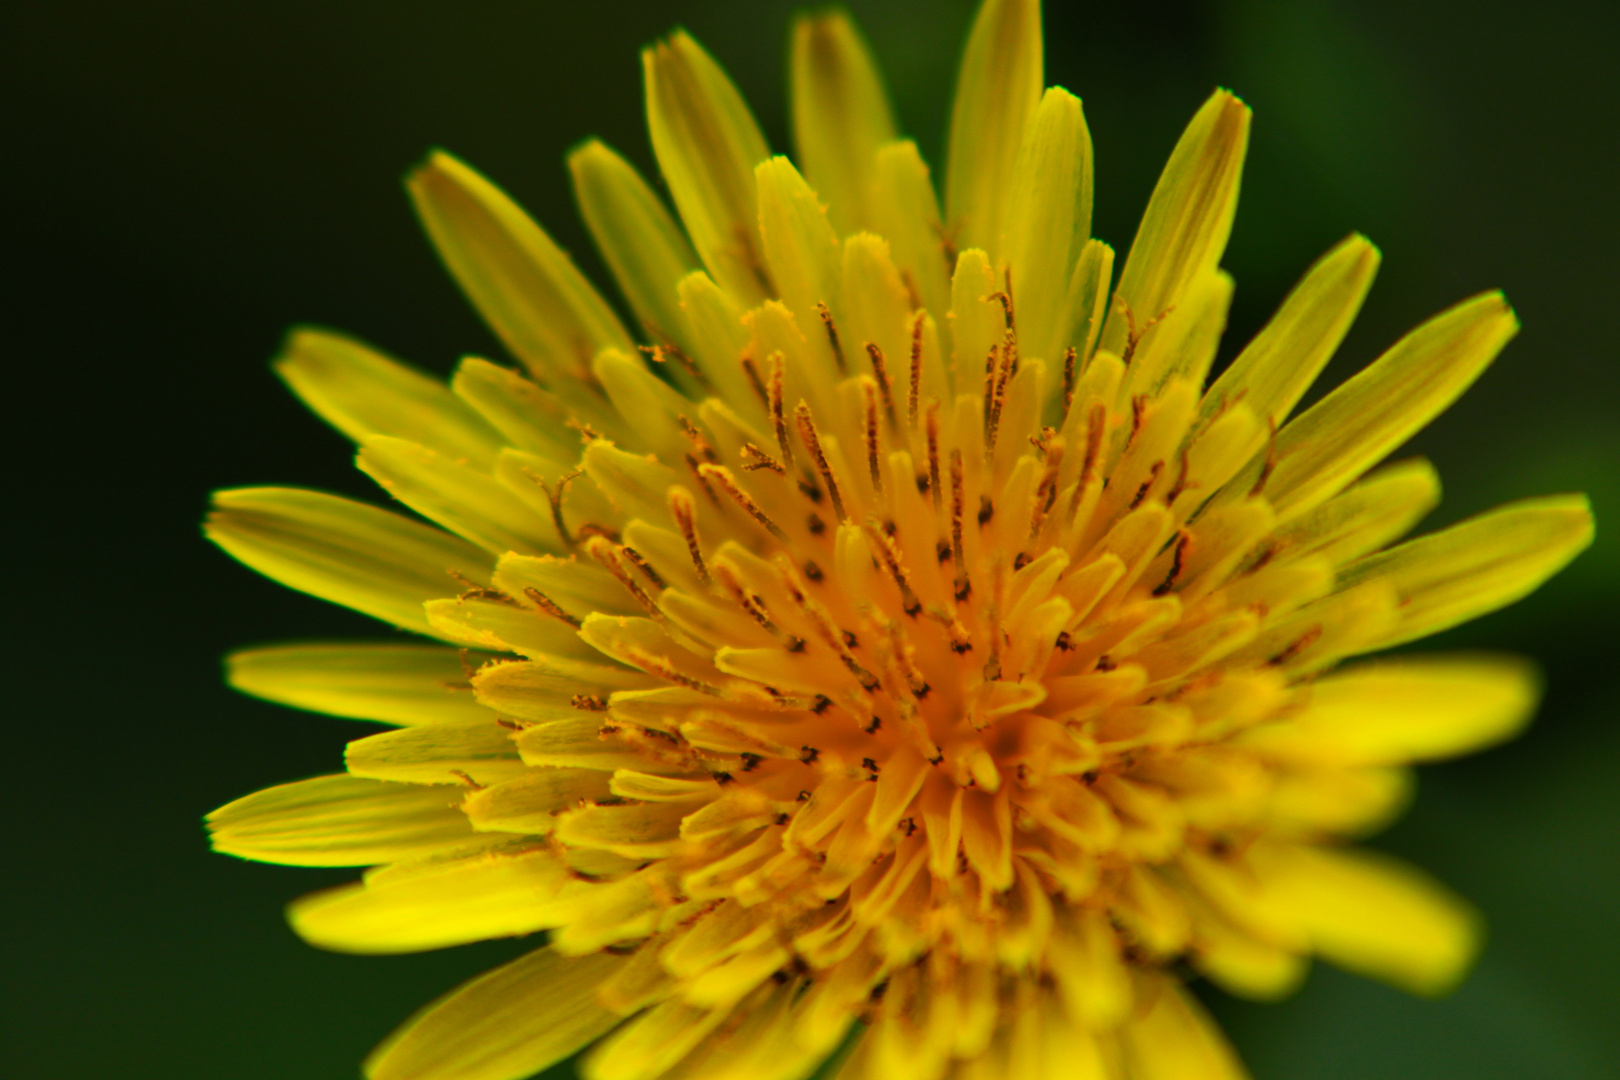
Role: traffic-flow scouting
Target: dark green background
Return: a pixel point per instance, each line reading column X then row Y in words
column 185, row 179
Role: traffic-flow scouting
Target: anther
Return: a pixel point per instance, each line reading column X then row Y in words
column 832, row 335
column 1299, row 645
column 1068, row 378
column 588, row 702
column 751, row 370
column 700, row 445
column 550, row 606
column 958, row 554
column 869, row 392
column 916, row 368
column 880, row 368
column 933, row 453
column 722, row 476
column 755, row 459
column 1178, row 562
column 774, row 402
column 812, row 443
column 640, row 562
column 1147, row 485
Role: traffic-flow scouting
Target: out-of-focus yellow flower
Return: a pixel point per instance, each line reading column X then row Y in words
column 894, row 628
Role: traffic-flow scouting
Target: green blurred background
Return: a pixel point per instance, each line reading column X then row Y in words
column 187, row 178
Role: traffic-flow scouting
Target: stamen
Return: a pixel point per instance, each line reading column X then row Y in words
column 1139, row 407
column 640, row 563
column 555, row 498
column 550, row 606
column 958, row 555
column 753, row 605
column 869, row 392
column 933, row 454
column 1178, row 562
column 685, row 515
column 1133, row 336
column 606, row 552
column 700, row 445
column 755, row 459
column 1299, row 645
column 916, row 367
column 750, row 370
column 1068, row 379
column 778, row 411
column 812, row 443
column 880, row 368
column 723, row 476
column 1152, row 478
column 832, row 336
column 888, row 553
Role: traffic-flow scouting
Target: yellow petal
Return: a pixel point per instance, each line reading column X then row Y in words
column 480, row 751
column 469, row 502
column 524, row 285
column 527, row 417
column 714, row 329
column 997, row 91
column 1176, row 1040
column 491, row 894
column 352, row 554
column 1372, row 413
column 1364, row 517
column 505, row 624
column 841, row 114
column 361, row 392
column 905, row 212
column 1048, row 220
column 529, row 803
column 534, row 689
column 504, row 1025
column 648, row 1046
column 1371, row 914
column 1279, row 365
column 396, row 684
column 339, row 821
column 639, row 240
column 1343, row 802
column 707, row 145
column 1475, row 567
column 1413, row 709
column 1188, row 219
column 800, row 247
column 1085, row 304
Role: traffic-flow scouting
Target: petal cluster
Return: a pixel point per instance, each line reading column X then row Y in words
column 896, row 641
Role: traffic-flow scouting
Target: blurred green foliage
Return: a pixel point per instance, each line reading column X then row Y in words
column 189, row 178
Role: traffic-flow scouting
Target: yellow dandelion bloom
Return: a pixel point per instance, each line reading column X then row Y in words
column 896, row 642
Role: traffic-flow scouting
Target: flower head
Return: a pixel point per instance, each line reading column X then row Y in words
column 894, row 627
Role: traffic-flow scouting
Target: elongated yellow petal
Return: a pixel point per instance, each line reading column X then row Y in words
column 527, row 417
column 1475, row 567
column 465, row 500
column 639, row 239
column 1395, row 711
column 1048, row 219
column 841, row 115
column 504, row 1025
column 997, row 91
column 905, row 212
column 1372, row 413
column 524, row 285
column 361, row 392
column 340, row 821
column 529, row 803
column 396, row 684
column 1279, row 365
column 1187, row 222
column 457, row 752
column 493, row 894
column 1085, row 303
column 1365, row 516
column 800, row 247
column 344, row 551
column 1176, row 1040
column 707, row 145
column 1372, row 914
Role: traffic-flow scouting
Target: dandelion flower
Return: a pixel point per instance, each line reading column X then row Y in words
column 895, row 645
